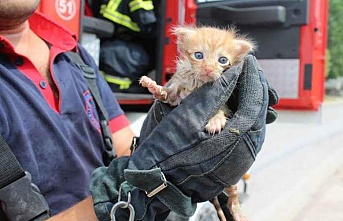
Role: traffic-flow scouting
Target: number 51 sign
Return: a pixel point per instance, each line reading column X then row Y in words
column 66, row 13
column 66, row 9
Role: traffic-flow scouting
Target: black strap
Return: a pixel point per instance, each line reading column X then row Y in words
column 90, row 76
column 16, row 186
column 10, row 169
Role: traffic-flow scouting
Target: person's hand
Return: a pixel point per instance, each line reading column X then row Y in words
column 178, row 163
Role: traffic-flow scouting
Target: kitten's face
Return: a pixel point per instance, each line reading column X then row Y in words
column 210, row 51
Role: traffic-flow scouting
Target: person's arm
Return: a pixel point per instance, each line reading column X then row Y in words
column 122, row 135
column 122, row 146
column 83, row 211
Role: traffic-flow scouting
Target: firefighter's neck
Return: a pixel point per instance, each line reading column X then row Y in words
column 30, row 45
column 9, row 26
column 19, row 35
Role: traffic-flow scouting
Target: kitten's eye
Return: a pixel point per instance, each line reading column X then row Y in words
column 198, row 55
column 223, row 60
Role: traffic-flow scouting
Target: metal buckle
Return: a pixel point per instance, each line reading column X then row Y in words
column 134, row 144
column 159, row 188
column 21, row 200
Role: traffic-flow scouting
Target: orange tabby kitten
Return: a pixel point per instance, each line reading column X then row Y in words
column 205, row 52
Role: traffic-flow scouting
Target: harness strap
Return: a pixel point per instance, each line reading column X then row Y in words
column 90, row 76
column 15, row 187
column 10, row 169
column 154, row 183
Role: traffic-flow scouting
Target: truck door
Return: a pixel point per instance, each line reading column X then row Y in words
column 291, row 36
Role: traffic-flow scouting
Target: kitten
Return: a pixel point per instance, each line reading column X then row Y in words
column 205, row 52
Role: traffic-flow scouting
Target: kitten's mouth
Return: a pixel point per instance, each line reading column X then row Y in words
column 209, row 76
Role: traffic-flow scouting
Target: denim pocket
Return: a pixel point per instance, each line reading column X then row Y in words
column 233, row 165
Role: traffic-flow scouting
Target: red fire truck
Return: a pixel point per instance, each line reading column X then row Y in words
column 291, row 36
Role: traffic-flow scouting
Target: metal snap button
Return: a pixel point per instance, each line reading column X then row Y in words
column 19, row 61
column 42, row 84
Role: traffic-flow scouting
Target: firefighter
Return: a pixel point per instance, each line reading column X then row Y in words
column 47, row 115
column 135, row 15
column 126, row 57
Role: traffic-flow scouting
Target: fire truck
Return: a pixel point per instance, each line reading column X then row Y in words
column 291, row 36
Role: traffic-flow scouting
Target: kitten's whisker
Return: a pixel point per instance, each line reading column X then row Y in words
column 220, row 84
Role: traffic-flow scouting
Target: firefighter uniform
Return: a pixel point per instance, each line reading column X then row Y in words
column 70, row 140
column 135, row 15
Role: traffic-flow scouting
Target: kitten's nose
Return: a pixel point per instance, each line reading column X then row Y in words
column 208, row 71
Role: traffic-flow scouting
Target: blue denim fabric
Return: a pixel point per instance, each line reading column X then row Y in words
column 197, row 165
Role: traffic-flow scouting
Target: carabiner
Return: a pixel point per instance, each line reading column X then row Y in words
column 123, row 205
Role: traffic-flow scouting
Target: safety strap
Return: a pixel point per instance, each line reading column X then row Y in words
column 16, row 186
column 10, row 169
column 90, row 76
column 153, row 182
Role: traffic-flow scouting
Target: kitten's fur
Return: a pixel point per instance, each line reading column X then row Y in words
column 205, row 52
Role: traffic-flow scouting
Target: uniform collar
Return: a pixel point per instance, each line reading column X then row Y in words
column 52, row 33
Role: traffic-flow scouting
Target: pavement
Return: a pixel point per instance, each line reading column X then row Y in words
column 327, row 203
column 298, row 175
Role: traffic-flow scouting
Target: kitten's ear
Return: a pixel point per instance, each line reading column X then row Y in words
column 183, row 32
column 243, row 47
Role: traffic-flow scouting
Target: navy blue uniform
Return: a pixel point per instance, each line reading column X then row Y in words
column 57, row 140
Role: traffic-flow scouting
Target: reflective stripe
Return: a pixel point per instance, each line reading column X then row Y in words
column 102, row 9
column 113, row 5
column 140, row 4
column 110, row 12
column 124, row 83
column 122, row 20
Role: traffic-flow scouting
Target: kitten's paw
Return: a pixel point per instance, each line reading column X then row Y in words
column 233, row 204
column 216, row 123
column 237, row 213
column 157, row 90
